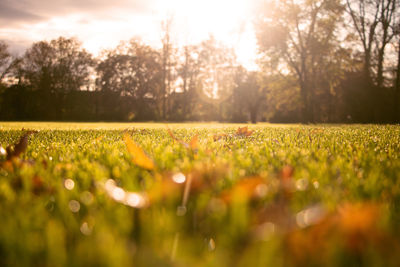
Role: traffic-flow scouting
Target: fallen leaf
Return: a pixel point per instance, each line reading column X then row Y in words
column 194, row 143
column 245, row 189
column 243, row 131
column 217, row 137
column 139, row 157
column 19, row 147
column 37, row 185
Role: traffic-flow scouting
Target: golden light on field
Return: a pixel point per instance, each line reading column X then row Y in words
column 228, row 21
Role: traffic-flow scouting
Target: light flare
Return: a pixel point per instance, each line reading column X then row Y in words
column 132, row 199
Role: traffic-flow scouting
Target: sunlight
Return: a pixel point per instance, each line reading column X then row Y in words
column 229, row 21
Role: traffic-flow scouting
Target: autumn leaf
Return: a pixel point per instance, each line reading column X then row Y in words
column 193, row 144
column 19, row 147
column 139, row 157
column 243, row 131
column 37, row 185
column 13, row 152
column 98, row 139
column 217, row 137
column 246, row 188
column 286, row 176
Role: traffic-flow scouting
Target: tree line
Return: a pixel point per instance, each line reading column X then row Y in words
column 320, row 61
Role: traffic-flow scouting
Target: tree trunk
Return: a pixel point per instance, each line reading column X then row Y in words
column 397, row 88
column 253, row 114
column 379, row 78
column 306, row 111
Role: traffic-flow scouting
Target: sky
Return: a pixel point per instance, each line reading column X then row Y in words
column 102, row 24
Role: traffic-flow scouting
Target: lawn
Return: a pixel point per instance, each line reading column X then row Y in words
column 106, row 194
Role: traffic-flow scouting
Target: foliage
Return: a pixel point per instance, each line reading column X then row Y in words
column 58, row 66
column 5, row 60
column 301, row 36
column 76, row 195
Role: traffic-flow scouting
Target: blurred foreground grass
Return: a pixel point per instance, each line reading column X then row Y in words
column 208, row 195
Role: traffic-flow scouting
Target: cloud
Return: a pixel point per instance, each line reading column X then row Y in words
column 10, row 15
column 25, row 21
column 29, row 9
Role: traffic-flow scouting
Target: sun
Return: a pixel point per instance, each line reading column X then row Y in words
column 229, row 21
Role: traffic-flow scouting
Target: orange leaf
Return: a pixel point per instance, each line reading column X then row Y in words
column 244, row 131
column 194, row 143
column 245, row 189
column 217, row 137
column 139, row 157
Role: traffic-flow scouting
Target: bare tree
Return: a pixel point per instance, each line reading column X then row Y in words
column 167, row 55
column 300, row 36
column 7, row 61
column 373, row 20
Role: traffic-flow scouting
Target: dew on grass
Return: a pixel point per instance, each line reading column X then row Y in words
column 261, row 190
column 86, row 229
column 301, row 184
column 118, row 194
column 74, row 206
column 3, row 152
column 310, row 216
column 87, row 198
column 211, row 244
column 69, row 184
column 131, row 199
column 110, row 184
column 134, row 200
column 179, row 178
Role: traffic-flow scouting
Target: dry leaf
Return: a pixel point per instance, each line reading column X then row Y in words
column 98, row 139
column 19, row 147
column 194, row 143
column 217, row 137
column 244, row 131
column 246, row 188
column 139, row 157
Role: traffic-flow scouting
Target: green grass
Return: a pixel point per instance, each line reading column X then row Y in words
column 287, row 195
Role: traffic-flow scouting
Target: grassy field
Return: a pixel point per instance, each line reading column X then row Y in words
column 95, row 194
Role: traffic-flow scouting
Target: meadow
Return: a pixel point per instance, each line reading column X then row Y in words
column 100, row 194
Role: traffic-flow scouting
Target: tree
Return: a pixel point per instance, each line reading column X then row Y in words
column 188, row 71
column 397, row 75
column 58, row 66
column 374, row 21
column 5, row 59
column 298, row 36
column 167, row 58
column 132, row 70
column 55, row 68
column 248, row 94
column 216, row 73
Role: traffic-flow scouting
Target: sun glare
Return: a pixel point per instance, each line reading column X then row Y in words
column 229, row 21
